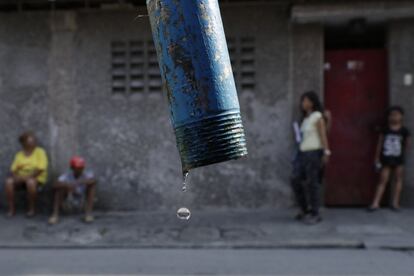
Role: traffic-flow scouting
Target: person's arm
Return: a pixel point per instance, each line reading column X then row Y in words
column 324, row 138
column 408, row 143
column 89, row 179
column 378, row 149
column 36, row 173
column 42, row 164
column 408, row 140
column 64, row 185
column 328, row 120
column 15, row 167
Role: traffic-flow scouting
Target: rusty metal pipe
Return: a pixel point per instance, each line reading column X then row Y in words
column 198, row 78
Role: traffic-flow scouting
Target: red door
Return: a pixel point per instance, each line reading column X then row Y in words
column 356, row 95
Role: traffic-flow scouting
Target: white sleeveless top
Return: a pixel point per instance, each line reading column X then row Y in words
column 310, row 135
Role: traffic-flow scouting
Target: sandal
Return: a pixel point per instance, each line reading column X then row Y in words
column 395, row 209
column 30, row 214
column 313, row 219
column 300, row 216
column 10, row 214
column 88, row 219
column 53, row 220
column 371, row 209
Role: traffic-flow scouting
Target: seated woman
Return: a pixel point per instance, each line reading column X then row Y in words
column 28, row 171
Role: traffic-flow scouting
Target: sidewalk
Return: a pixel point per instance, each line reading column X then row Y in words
column 342, row 228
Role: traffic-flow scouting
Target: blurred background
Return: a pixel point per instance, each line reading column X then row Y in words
column 83, row 75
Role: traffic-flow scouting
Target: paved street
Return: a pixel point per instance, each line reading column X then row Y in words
column 264, row 229
column 262, row 242
column 206, row 262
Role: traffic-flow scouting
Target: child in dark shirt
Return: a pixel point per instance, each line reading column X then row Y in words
column 390, row 156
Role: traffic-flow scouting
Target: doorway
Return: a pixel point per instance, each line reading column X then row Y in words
column 356, row 94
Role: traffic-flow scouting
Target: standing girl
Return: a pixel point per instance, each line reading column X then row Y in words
column 313, row 152
column 390, row 156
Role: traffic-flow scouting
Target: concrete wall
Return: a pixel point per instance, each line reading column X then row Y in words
column 24, row 74
column 307, row 61
column 55, row 79
column 401, row 62
column 58, row 82
column 262, row 179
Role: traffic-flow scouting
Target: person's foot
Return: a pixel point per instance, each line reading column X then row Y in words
column 372, row 209
column 53, row 220
column 300, row 216
column 312, row 219
column 30, row 213
column 395, row 208
column 10, row 213
column 88, row 218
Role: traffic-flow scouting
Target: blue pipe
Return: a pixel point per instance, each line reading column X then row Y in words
column 197, row 75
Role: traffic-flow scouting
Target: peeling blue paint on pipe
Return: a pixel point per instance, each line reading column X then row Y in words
column 197, row 75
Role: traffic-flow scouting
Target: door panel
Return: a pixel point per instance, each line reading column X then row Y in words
column 356, row 95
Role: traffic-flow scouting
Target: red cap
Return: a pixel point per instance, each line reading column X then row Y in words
column 77, row 162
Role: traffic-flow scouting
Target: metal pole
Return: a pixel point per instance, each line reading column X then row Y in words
column 198, row 78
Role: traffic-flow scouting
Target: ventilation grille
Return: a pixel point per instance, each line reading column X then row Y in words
column 134, row 68
column 242, row 54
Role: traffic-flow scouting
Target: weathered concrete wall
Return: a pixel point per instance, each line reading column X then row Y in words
column 62, row 97
column 307, row 61
column 262, row 179
column 58, row 82
column 130, row 140
column 24, row 52
column 401, row 62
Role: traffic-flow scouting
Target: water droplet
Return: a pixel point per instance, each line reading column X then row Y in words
column 183, row 213
column 185, row 175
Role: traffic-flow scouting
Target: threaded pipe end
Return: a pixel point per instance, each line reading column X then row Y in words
column 209, row 141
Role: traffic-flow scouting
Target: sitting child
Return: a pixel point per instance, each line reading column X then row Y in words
column 73, row 188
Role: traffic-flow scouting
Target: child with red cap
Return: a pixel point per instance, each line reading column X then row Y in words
column 75, row 188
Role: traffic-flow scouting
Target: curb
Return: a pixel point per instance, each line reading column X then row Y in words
column 212, row 246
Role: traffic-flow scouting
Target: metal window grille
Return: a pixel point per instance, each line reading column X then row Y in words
column 134, row 67
column 242, row 54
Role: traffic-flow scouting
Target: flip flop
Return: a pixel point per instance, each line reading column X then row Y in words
column 30, row 214
column 372, row 209
column 300, row 216
column 10, row 214
column 88, row 219
column 53, row 220
column 395, row 209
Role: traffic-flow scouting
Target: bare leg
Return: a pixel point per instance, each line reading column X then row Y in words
column 57, row 202
column 384, row 178
column 31, row 185
column 9, row 187
column 90, row 198
column 399, row 171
